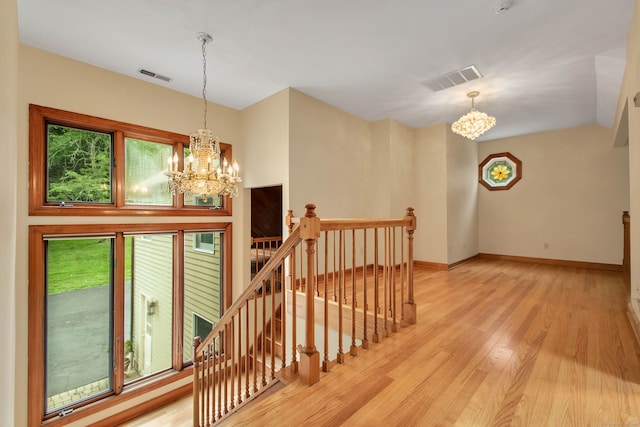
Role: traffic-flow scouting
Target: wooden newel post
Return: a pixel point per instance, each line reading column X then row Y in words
column 309, row 357
column 409, row 304
column 196, row 383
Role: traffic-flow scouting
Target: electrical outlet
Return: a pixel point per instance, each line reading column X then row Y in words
column 546, row 245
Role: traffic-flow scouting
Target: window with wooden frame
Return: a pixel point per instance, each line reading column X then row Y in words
column 499, row 171
column 111, row 311
column 85, row 165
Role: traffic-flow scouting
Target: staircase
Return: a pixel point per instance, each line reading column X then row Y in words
column 348, row 284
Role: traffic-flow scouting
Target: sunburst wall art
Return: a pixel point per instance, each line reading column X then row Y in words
column 499, row 171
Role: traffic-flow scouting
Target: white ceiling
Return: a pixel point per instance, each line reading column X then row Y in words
column 547, row 64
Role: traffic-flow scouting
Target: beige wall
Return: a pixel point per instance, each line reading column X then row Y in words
column 330, row 155
column 573, row 190
column 430, row 193
column 265, row 127
column 346, row 166
column 58, row 82
column 630, row 87
column 393, row 150
column 381, row 150
column 445, row 195
column 401, row 154
column 462, row 197
column 8, row 174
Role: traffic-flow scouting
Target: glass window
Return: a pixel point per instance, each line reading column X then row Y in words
column 146, row 182
column 78, row 165
column 203, row 242
column 107, row 308
column 201, row 326
column 149, row 305
column 214, row 202
column 97, row 326
column 500, row 171
column 203, row 280
column 78, row 320
column 85, row 165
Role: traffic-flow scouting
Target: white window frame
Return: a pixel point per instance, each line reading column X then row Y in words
column 193, row 323
column 200, row 247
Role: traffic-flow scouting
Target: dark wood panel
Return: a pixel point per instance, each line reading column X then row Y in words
column 266, row 211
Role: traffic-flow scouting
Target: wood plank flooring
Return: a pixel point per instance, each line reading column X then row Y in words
column 497, row 343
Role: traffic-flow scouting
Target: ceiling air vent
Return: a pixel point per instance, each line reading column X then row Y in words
column 454, row 78
column 154, row 75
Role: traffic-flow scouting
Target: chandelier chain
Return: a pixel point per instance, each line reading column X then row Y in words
column 204, row 79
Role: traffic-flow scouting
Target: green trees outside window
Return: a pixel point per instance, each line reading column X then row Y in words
column 78, row 165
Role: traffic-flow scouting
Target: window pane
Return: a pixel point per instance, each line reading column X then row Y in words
column 201, row 326
column 149, row 305
column 202, row 288
column 78, row 165
column 197, row 200
column 78, row 320
column 204, row 242
column 146, row 164
column 130, row 363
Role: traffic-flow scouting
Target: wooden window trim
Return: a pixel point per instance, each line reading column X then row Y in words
column 36, row 315
column 127, row 394
column 39, row 116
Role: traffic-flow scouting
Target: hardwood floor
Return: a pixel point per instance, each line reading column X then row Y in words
column 497, row 343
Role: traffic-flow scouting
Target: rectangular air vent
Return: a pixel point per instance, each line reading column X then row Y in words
column 453, row 78
column 154, row 75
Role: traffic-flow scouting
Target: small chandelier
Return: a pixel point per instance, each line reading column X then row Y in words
column 474, row 123
column 204, row 173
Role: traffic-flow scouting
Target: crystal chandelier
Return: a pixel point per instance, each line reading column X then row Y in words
column 204, row 172
column 474, row 123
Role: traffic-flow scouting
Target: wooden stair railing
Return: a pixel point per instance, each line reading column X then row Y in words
column 350, row 278
column 262, row 248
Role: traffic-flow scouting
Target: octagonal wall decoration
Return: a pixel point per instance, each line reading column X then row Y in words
column 499, row 171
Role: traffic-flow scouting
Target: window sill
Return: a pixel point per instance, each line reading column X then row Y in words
column 126, row 211
column 132, row 392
